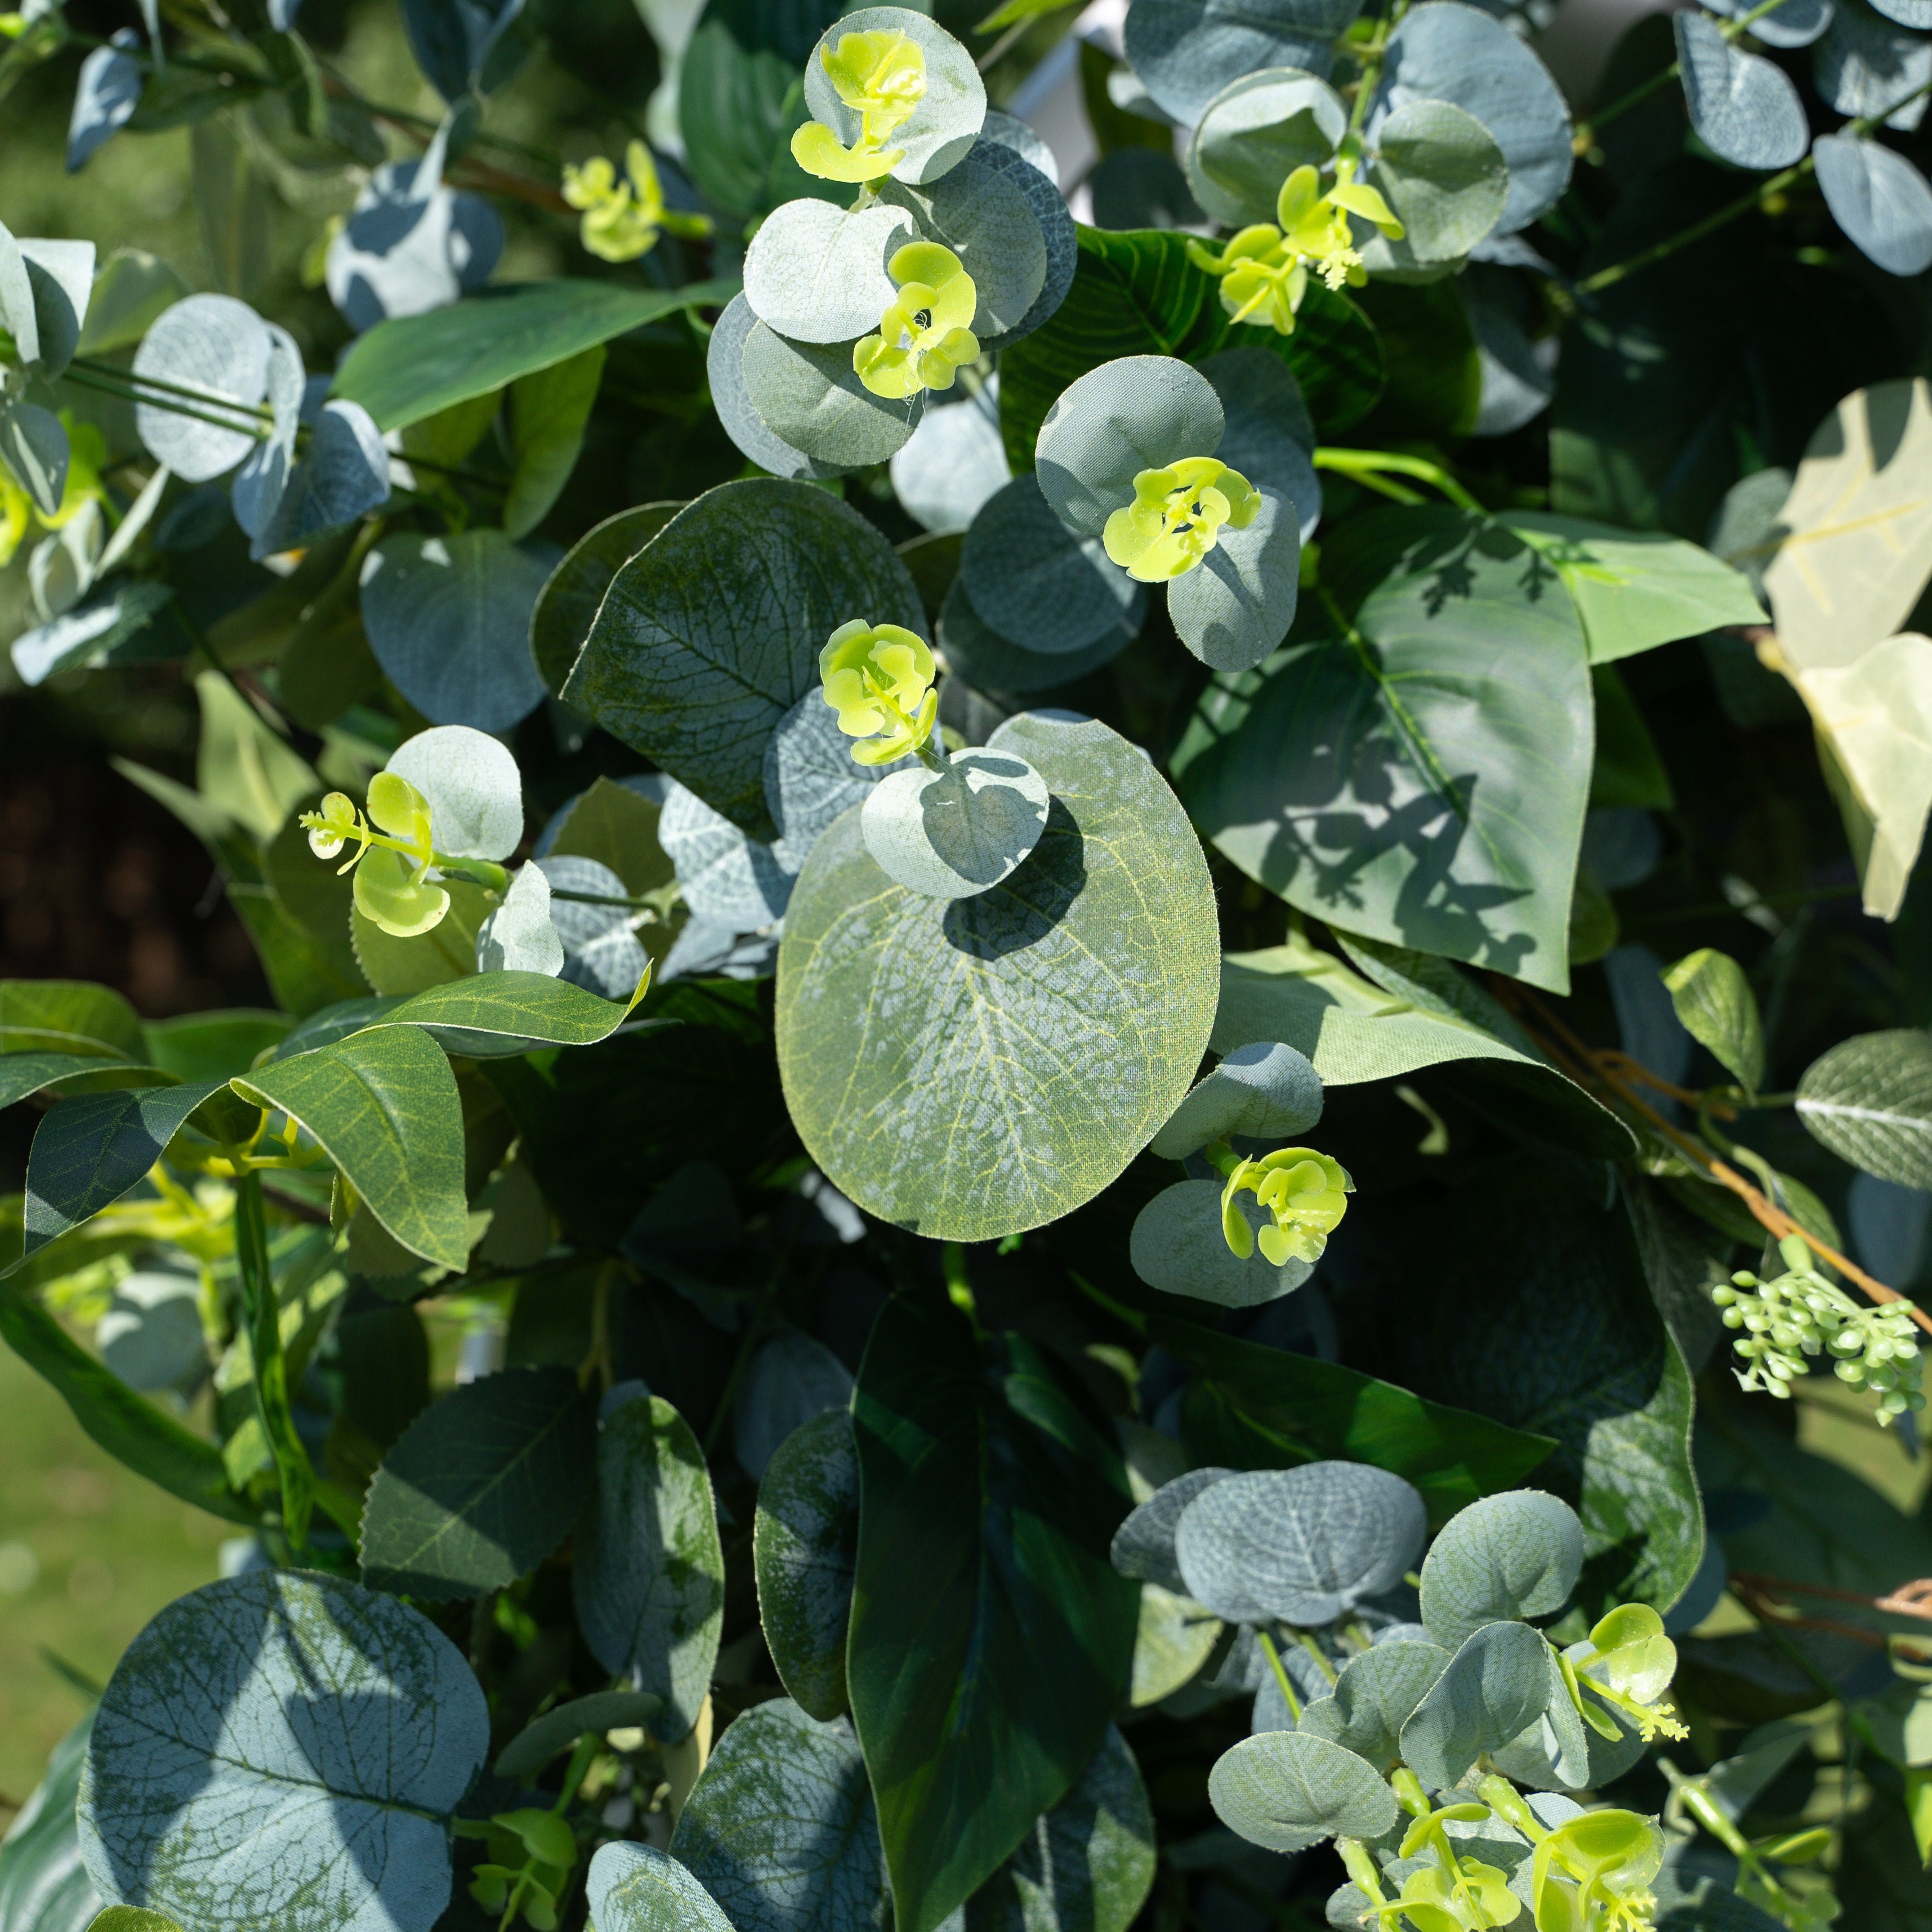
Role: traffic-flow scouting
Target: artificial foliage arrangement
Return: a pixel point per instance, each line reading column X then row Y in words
column 1149, row 994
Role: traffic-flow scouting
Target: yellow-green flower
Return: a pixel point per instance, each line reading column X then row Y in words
column 1264, row 268
column 922, row 338
column 1176, row 517
column 623, row 215
column 333, row 825
column 392, row 883
column 878, row 678
column 1628, row 1661
column 1593, row 1873
column 87, row 457
column 1305, row 1191
column 881, row 76
column 1434, row 1899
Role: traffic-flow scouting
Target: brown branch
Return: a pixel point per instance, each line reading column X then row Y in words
column 1908, row 1600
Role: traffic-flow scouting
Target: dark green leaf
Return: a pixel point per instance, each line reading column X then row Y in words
column 992, row 1639
column 43, row 1886
column 569, row 601
column 412, row 367
column 508, row 1012
column 67, row 1016
column 482, row 1487
column 1870, row 1100
column 804, row 1544
column 23, row 1074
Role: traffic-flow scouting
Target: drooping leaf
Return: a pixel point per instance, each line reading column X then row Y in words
column 1515, row 1555
column 1288, row 1789
column 1714, row 1001
column 482, row 1487
column 805, row 1543
column 283, row 1748
column 780, row 1828
column 43, row 1885
column 406, row 370
column 991, row 1637
column 490, row 1014
column 22, row 1075
column 384, row 1105
column 68, row 1016
column 649, row 1576
column 1068, row 948
column 695, row 669
column 1869, row 1099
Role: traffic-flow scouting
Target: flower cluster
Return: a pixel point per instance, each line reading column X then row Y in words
column 1305, row 1191
column 393, row 887
column 878, row 678
column 923, row 337
column 1800, row 1314
column 1176, row 517
column 623, row 215
column 881, row 76
column 1593, row 1874
column 1264, row 269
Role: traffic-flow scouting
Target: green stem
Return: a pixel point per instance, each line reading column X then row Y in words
column 1281, row 1677
column 264, row 1313
column 1363, row 464
column 1509, row 1805
column 1732, row 30
column 1360, row 1866
column 606, row 898
column 1408, row 1789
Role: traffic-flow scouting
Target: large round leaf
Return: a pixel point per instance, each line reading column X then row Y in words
column 218, row 349
column 969, row 1070
column 567, row 605
column 1517, row 1554
column 809, row 396
column 1288, row 1790
column 981, row 212
column 281, row 1749
column 1495, row 1687
column 693, row 664
column 1304, row 1545
column 448, row 618
column 1254, row 134
column 781, row 1830
column 816, row 273
column 1881, row 201
column 1743, row 107
column 1446, row 51
column 805, row 1547
column 1186, row 51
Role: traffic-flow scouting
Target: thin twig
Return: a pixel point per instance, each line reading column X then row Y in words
column 1897, row 1603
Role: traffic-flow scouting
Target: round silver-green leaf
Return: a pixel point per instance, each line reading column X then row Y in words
column 726, row 877
column 1235, row 606
column 633, row 1888
column 817, row 272
column 1515, row 1555
column 808, row 396
column 942, row 127
column 1442, row 173
column 1136, row 413
column 1496, row 1686
column 1187, row 52
column 219, row 349
column 1265, row 1090
column 1881, row 201
column 1743, row 107
column 1288, row 1789
column 805, row 1550
column 1143, row 1546
column 1269, row 436
column 1254, row 134
column 1040, row 187
column 979, row 210
column 1177, row 1246
column 971, row 1069
column 281, row 1748
column 952, row 835
column 1030, row 575
column 1375, row 1693
column 1304, row 1545
column 725, row 370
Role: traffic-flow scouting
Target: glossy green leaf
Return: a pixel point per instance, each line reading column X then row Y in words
column 804, row 1545
column 490, row 1014
column 1869, row 1099
column 567, row 604
column 649, row 1574
column 780, row 1829
column 1417, row 770
column 1095, row 954
column 1517, row 1554
column 43, row 1886
column 1088, row 1866
column 384, row 1106
column 1634, row 590
column 413, row 367
column 992, row 1639
column 363, row 1725
column 1288, row 1790
column 23, row 1074
column 134, row 1431
column 1264, row 1407
column 68, row 1016
column 214, row 1045
column 482, row 1487
column 1714, row 1001
column 694, row 670
column 1137, row 294
column 94, row 1148
column 1352, row 1030
column 548, row 410
column 1496, row 1685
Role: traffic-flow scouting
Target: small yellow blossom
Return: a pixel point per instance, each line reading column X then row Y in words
column 881, row 76
column 1176, row 518
column 1305, row 1191
column 878, row 678
column 922, row 338
column 623, row 215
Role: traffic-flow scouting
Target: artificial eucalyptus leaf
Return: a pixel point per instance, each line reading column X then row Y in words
column 793, row 1379
column 1186, row 54
column 1375, row 1693
column 1446, row 51
column 1254, row 134
column 384, row 1106
column 1174, row 1637
column 1302, row 1545
column 1882, row 201
column 482, row 1487
column 940, row 131
column 33, row 445
column 1137, row 413
column 1235, row 605
column 43, row 1882
column 1799, row 23
column 1497, row 1683
column 804, row 1545
column 1178, row 1245
column 956, row 833
column 696, row 672
column 980, row 210
column 107, row 92
column 635, row 1888
column 1515, row 1555
column 1289, row 1789
column 1029, row 574
column 954, row 462
column 1269, row 436
column 259, row 484
column 601, row 951
column 1866, row 65
column 993, row 156
column 1743, row 107
column 448, row 618
column 1143, row 1546
column 1263, row 1090
column 989, row 660
column 1443, row 174
column 217, row 349
column 567, row 605
column 810, row 777
column 344, row 474
column 726, row 877
column 780, row 1828
column 649, row 1579
column 810, row 399
column 755, row 439
column 1115, row 845
column 331, row 1818
column 817, row 272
